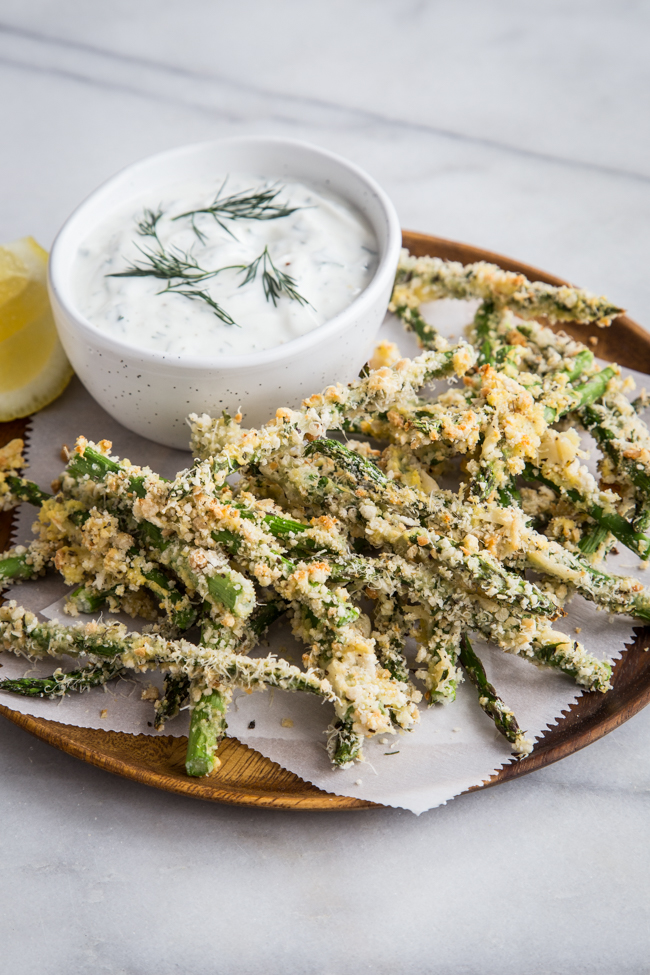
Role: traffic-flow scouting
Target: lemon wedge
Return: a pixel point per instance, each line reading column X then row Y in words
column 34, row 369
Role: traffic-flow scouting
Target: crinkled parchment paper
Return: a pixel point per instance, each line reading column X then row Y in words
column 453, row 748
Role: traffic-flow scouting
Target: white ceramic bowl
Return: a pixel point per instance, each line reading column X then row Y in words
column 151, row 392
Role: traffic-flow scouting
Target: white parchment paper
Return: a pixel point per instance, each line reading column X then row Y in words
column 453, row 748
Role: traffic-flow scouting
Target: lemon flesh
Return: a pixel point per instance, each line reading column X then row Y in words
column 34, row 369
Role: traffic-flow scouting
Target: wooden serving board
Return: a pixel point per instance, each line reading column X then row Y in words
column 245, row 777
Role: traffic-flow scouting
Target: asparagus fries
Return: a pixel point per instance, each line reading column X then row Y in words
column 313, row 526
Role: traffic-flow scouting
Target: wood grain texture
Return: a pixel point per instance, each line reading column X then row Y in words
column 245, row 777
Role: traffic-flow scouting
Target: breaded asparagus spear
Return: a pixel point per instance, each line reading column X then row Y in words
column 422, row 279
column 209, row 704
column 23, row 634
column 504, row 719
column 61, row 683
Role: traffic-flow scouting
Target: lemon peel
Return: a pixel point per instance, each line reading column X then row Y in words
column 34, row 369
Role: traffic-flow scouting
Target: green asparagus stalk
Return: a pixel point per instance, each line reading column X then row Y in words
column 208, row 715
column 176, row 687
column 86, row 599
column 15, row 567
column 592, row 541
column 440, row 653
column 24, row 490
column 608, row 521
column 176, row 690
column 582, row 395
column 422, row 279
column 207, row 728
column 504, row 719
column 491, row 473
column 391, row 627
column 256, row 673
column 61, row 683
column 414, row 322
column 22, row 633
column 449, row 608
column 452, row 429
column 486, row 322
column 594, row 419
column 175, row 603
column 181, row 612
column 91, row 464
column 343, row 743
column 25, row 561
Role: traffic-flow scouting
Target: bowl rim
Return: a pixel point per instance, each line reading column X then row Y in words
column 60, row 294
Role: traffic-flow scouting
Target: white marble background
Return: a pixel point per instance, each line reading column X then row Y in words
column 519, row 127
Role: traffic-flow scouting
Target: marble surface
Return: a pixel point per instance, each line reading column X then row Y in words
column 517, row 127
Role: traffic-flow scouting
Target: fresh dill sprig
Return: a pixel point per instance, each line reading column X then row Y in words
column 274, row 281
column 166, row 265
column 196, row 294
column 148, row 225
column 253, row 204
column 179, row 269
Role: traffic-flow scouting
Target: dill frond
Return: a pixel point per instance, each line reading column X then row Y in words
column 253, row 204
column 178, row 268
column 148, row 225
column 274, row 281
column 166, row 265
column 196, row 294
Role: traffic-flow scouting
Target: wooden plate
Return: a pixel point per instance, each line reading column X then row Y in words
column 247, row 778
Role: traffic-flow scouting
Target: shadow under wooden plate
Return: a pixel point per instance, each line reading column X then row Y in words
column 247, row 778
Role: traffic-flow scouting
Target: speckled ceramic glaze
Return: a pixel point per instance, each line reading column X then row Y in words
column 152, row 393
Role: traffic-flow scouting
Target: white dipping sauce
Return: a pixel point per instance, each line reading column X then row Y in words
column 325, row 246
